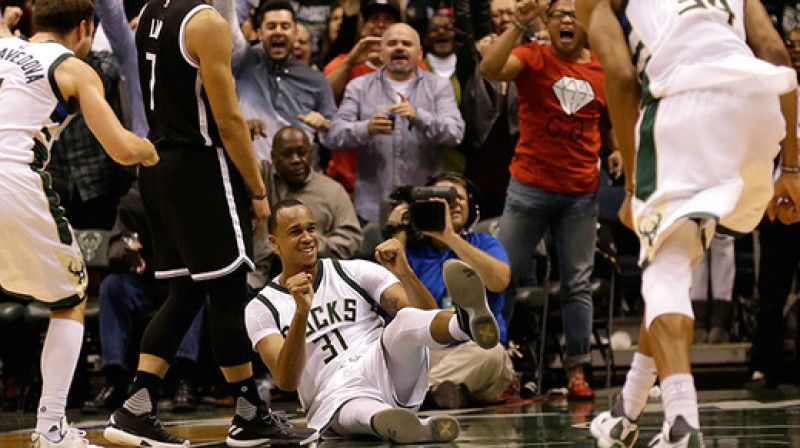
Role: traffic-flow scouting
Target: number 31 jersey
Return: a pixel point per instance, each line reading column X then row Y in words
column 344, row 320
column 683, row 45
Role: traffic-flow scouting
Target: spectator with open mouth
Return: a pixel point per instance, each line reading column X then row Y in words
column 563, row 122
column 274, row 88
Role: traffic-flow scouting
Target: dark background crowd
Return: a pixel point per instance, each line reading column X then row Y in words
column 344, row 107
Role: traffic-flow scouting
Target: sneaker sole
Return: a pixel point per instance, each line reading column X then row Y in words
column 605, row 442
column 402, row 426
column 235, row 443
column 120, row 437
column 468, row 291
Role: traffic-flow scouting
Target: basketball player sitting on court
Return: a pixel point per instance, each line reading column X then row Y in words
column 319, row 326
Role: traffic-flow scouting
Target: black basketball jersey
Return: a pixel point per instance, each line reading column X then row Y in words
column 174, row 97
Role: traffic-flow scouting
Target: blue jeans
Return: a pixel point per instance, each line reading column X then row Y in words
column 572, row 220
column 122, row 298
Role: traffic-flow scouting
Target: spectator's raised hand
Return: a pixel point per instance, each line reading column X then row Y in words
column 527, row 10
column 257, row 128
column 316, row 121
column 404, row 108
column 366, row 48
column 484, row 44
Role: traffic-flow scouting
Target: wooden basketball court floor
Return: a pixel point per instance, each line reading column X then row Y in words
column 731, row 418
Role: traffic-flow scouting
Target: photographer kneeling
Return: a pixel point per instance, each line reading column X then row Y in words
column 433, row 224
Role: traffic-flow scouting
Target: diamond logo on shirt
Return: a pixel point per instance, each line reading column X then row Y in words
column 573, row 93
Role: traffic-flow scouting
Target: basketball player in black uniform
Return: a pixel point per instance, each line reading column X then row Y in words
column 199, row 204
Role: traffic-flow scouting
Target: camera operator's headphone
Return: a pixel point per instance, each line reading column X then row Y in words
column 473, row 193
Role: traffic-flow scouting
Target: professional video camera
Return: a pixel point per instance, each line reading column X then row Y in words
column 423, row 214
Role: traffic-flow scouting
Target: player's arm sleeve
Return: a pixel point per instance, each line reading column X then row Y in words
column 260, row 320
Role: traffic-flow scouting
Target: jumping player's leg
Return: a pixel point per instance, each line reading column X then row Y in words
column 664, row 340
column 670, row 322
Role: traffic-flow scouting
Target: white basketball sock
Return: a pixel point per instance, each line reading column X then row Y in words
column 355, row 417
column 62, row 346
column 455, row 330
column 680, row 398
column 638, row 382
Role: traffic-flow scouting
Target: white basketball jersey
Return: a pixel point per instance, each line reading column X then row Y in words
column 32, row 110
column 343, row 323
column 681, row 45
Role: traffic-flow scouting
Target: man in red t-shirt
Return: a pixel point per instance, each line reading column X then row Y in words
column 563, row 122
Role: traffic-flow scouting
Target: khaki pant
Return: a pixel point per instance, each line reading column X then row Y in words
column 486, row 373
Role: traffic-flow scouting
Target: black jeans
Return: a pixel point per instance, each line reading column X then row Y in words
column 780, row 253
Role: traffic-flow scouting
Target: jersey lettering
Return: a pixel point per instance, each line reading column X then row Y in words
column 324, row 316
column 152, row 58
column 329, row 345
column 155, row 28
column 349, row 310
column 721, row 5
column 30, row 66
column 315, row 317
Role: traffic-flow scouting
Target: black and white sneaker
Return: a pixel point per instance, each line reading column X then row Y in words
column 401, row 426
column 267, row 427
column 469, row 296
column 125, row 428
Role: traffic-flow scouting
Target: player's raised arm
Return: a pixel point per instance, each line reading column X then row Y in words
column 410, row 291
column 78, row 82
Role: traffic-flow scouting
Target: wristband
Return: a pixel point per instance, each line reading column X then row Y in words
column 520, row 26
column 790, row 169
column 258, row 196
